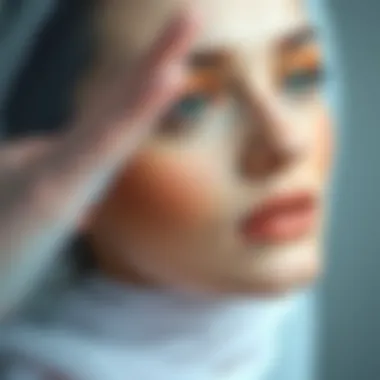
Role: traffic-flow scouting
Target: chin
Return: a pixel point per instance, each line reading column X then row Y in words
column 277, row 272
column 283, row 279
column 265, row 286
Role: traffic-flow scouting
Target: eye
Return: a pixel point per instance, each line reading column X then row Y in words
column 185, row 113
column 190, row 107
column 303, row 81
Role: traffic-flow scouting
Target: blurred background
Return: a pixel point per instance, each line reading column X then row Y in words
column 350, row 302
column 40, row 61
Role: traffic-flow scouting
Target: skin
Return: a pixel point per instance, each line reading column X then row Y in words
column 173, row 217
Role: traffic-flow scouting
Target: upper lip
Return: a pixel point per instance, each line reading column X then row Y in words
column 286, row 204
column 283, row 203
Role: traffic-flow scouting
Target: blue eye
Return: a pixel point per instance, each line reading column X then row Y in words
column 303, row 81
column 191, row 107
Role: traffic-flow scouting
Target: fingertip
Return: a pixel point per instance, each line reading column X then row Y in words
column 178, row 36
column 189, row 13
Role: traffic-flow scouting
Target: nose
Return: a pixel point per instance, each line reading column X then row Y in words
column 273, row 142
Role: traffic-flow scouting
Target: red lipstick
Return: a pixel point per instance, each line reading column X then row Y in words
column 281, row 219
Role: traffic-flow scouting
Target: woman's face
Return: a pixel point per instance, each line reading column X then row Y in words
column 228, row 195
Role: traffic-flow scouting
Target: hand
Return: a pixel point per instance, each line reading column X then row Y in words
column 46, row 186
column 125, row 104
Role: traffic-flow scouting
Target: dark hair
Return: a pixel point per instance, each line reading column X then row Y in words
column 41, row 97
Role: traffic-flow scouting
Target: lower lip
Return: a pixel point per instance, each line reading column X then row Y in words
column 278, row 227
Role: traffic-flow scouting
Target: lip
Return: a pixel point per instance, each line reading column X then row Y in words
column 281, row 219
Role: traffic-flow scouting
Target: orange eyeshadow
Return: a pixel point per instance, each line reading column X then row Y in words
column 206, row 81
column 308, row 57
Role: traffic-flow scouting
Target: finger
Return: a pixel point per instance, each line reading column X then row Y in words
column 125, row 110
column 174, row 42
column 162, row 71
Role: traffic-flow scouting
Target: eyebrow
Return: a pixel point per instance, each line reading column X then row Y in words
column 209, row 59
column 299, row 38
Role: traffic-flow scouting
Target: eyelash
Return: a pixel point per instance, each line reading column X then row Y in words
column 303, row 81
column 185, row 112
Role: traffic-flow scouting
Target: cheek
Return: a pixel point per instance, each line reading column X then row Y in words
column 163, row 189
column 322, row 150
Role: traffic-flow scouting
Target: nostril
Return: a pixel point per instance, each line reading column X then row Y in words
column 263, row 159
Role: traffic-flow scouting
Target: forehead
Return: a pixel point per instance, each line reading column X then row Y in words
column 133, row 24
column 250, row 23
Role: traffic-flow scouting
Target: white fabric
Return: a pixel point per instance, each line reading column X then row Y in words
column 102, row 330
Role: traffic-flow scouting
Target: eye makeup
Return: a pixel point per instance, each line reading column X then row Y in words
column 203, row 88
column 214, row 76
column 306, row 56
column 209, row 81
column 300, row 72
